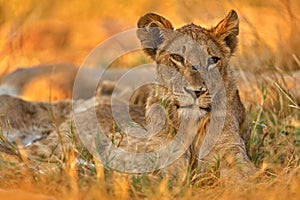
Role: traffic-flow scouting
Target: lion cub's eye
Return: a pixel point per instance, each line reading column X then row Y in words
column 213, row 60
column 177, row 58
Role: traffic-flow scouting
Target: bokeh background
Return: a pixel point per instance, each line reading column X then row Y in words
column 41, row 32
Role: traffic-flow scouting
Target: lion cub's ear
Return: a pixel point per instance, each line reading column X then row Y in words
column 228, row 29
column 151, row 32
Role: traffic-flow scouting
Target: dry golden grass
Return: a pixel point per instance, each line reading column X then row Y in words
column 33, row 33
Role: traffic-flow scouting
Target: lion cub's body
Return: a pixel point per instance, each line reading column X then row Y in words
column 184, row 58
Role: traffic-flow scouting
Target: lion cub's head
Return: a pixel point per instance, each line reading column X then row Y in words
column 184, row 56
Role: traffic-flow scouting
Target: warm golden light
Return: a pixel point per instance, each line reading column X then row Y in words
column 37, row 32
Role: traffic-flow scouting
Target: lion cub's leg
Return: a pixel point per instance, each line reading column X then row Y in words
column 230, row 149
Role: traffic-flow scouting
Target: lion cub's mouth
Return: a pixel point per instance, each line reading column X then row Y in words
column 191, row 98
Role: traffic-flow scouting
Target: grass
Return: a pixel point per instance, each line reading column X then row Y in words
column 5, row 144
column 275, row 121
column 274, row 149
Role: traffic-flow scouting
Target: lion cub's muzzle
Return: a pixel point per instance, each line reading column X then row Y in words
column 194, row 97
column 195, row 93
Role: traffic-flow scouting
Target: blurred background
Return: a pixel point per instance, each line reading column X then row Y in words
column 37, row 32
column 45, row 33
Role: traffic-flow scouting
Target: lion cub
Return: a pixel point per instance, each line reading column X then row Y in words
column 194, row 83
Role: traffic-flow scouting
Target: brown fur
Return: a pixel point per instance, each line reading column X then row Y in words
column 167, row 49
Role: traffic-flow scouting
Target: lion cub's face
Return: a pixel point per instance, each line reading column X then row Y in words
column 185, row 56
